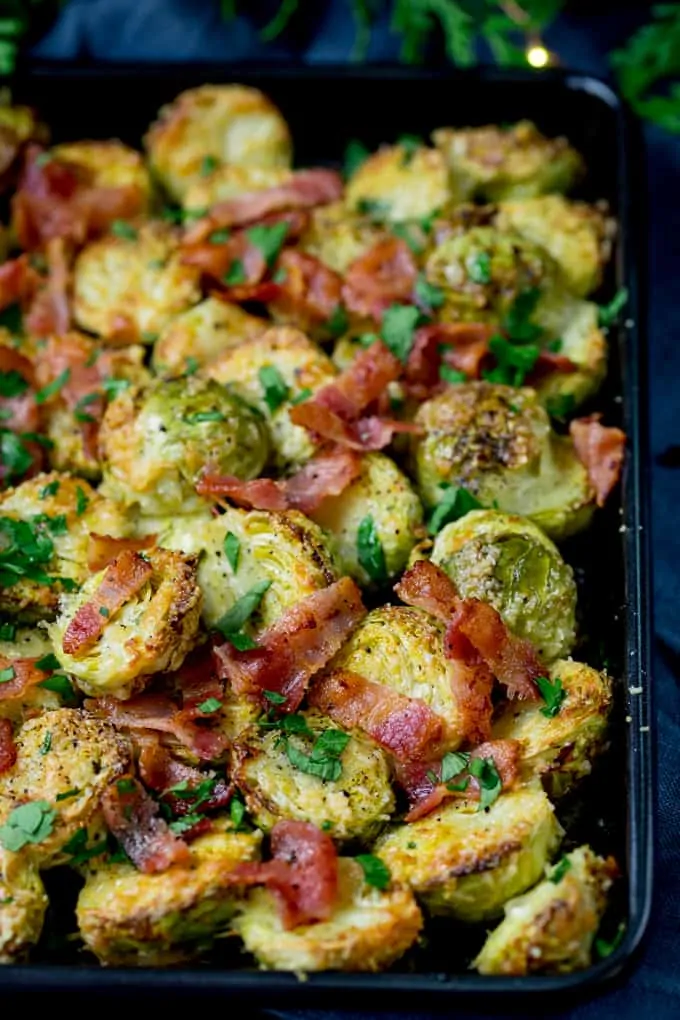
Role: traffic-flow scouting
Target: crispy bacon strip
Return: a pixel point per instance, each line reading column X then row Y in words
column 102, row 549
column 123, row 578
column 160, row 771
column 406, row 727
column 425, row 794
column 215, row 260
column 50, row 311
column 383, row 276
column 327, row 474
column 56, row 199
column 548, row 362
column 304, row 190
column 461, row 345
column 18, row 281
column 301, row 642
column 302, row 875
column 26, row 675
column 601, row 450
column 196, row 681
column 157, row 712
column 133, row 818
column 8, row 750
column 309, row 290
column 512, row 660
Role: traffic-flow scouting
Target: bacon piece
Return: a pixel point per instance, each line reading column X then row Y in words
column 197, row 681
column 133, row 818
column 461, row 345
column 385, row 275
column 406, row 727
column 310, row 290
column 26, row 675
column 216, row 260
column 302, row 875
column 8, row 750
column 160, row 771
column 50, row 311
column 601, row 450
column 425, row 794
column 18, row 281
column 56, row 199
column 157, row 712
column 102, row 549
column 123, row 578
column 327, row 474
column 19, row 413
column 301, row 642
column 303, row 190
column 547, row 363
column 511, row 659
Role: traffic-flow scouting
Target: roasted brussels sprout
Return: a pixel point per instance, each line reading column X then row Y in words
column 229, row 181
column 155, row 442
column 578, row 236
column 127, row 286
column 27, row 643
column 403, row 648
column 508, row 562
column 65, row 761
column 153, row 631
column 496, row 441
column 111, row 164
column 286, row 549
column 23, row 904
column 573, row 324
column 560, row 748
column 45, row 525
column 496, row 163
column 369, row 929
column 383, row 495
column 213, row 125
column 128, row 918
column 191, row 340
column 482, row 272
column 338, row 236
column 270, row 771
column 400, row 182
column 269, row 370
column 466, row 863
column 551, row 929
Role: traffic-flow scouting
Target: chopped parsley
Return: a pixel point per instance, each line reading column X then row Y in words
column 324, row 759
column 376, row 872
column 199, row 417
column 148, row 337
column 235, row 274
column 560, row 870
column 49, row 490
column 79, row 412
column 609, row 313
column 13, row 454
column 209, row 706
column 376, row 208
column 78, row 849
column 199, row 794
column 605, row 947
column 274, row 697
column 103, row 611
column 453, row 763
column 191, row 365
column 304, row 394
column 231, row 624
column 12, row 384
column 208, row 164
column 478, row 267
column 280, row 276
column 370, row 550
column 82, row 502
column 338, row 322
column 485, row 772
column 7, row 674
column 112, row 387
column 53, row 388
column 454, row 504
column 8, row 631
column 232, row 549
column 237, row 812
column 555, row 345
column 408, row 232
column 61, row 685
column 452, row 375
column 356, row 154
column 48, row 663
column 398, row 329
column 367, row 339
column 269, row 239
column 274, row 387
column 124, row 230
column 67, row 794
column 219, row 236
column 46, row 745
column 171, row 214
column 428, row 294
column 513, row 361
column 26, row 549
column 28, row 823
column 552, row 693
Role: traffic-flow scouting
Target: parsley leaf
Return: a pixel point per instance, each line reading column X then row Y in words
column 338, row 322
column 408, row 232
column 13, row 454
column 552, row 693
column 124, row 230
column 235, row 274
column 269, row 239
column 485, row 772
column 48, row 662
column 274, row 386
column 28, row 823
column 275, row 697
column 82, row 501
column 53, row 388
column 560, row 870
column 605, row 948
column 112, row 387
column 324, row 759
column 452, row 375
column 370, row 551
column 513, row 362
column 232, row 549
column 208, row 164
column 46, row 745
column 609, row 313
column 478, row 267
column 304, row 394
column 230, row 625
column 209, row 706
column 561, row 405
column 398, row 329
column 356, row 153
column 219, row 236
column 428, row 294
column 649, row 58
column 376, row 872
column 199, row 417
column 7, row 674
column 237, row 812
column 61, row 685
column 51, row 489
column 376, row 208
column 12, row 384
column 8, row 631
column 454, row 504
column 453, row 763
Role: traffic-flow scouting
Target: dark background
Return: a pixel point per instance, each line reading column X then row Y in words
column 163, row 30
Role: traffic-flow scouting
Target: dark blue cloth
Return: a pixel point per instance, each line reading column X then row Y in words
column 158, row 30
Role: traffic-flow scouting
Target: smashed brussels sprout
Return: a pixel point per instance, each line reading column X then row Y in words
column 111, row 165
column 337, row 236
column 192, row 339
column 496, row 441
column 551, row 929
column 507, row 561
column 465, row 863
column 156, row 441
column 23, row 904
column 369, row 928
column 400, row 182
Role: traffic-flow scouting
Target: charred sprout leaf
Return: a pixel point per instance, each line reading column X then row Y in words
column 560, row 870
column 370, row 550
column 232, row 549
column 609, row 313
column 29, row 823
column 454, row 504
column 398, row 329
column 485, row 772
column 552, row 693
column 274, row 386
column 269, row 239
column 376, row 872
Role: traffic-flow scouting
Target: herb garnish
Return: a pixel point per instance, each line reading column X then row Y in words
column 370, row 550
column 124, row 230
column 376, row 872
column 560, row 870
column 29, row 823
column 274, row 386
column 269, row 239
column 235, row 274
column 53, row 388
column 454, row 504
column 609, row 313
column 208, row 164
column 231, row 624
column 232, row 549
column 399, row 323
column 324, row 759
column 552, row 693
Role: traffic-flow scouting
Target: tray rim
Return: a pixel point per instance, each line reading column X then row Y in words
column 283, row 989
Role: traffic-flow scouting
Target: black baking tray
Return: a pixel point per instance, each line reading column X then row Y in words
column 325, row 107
